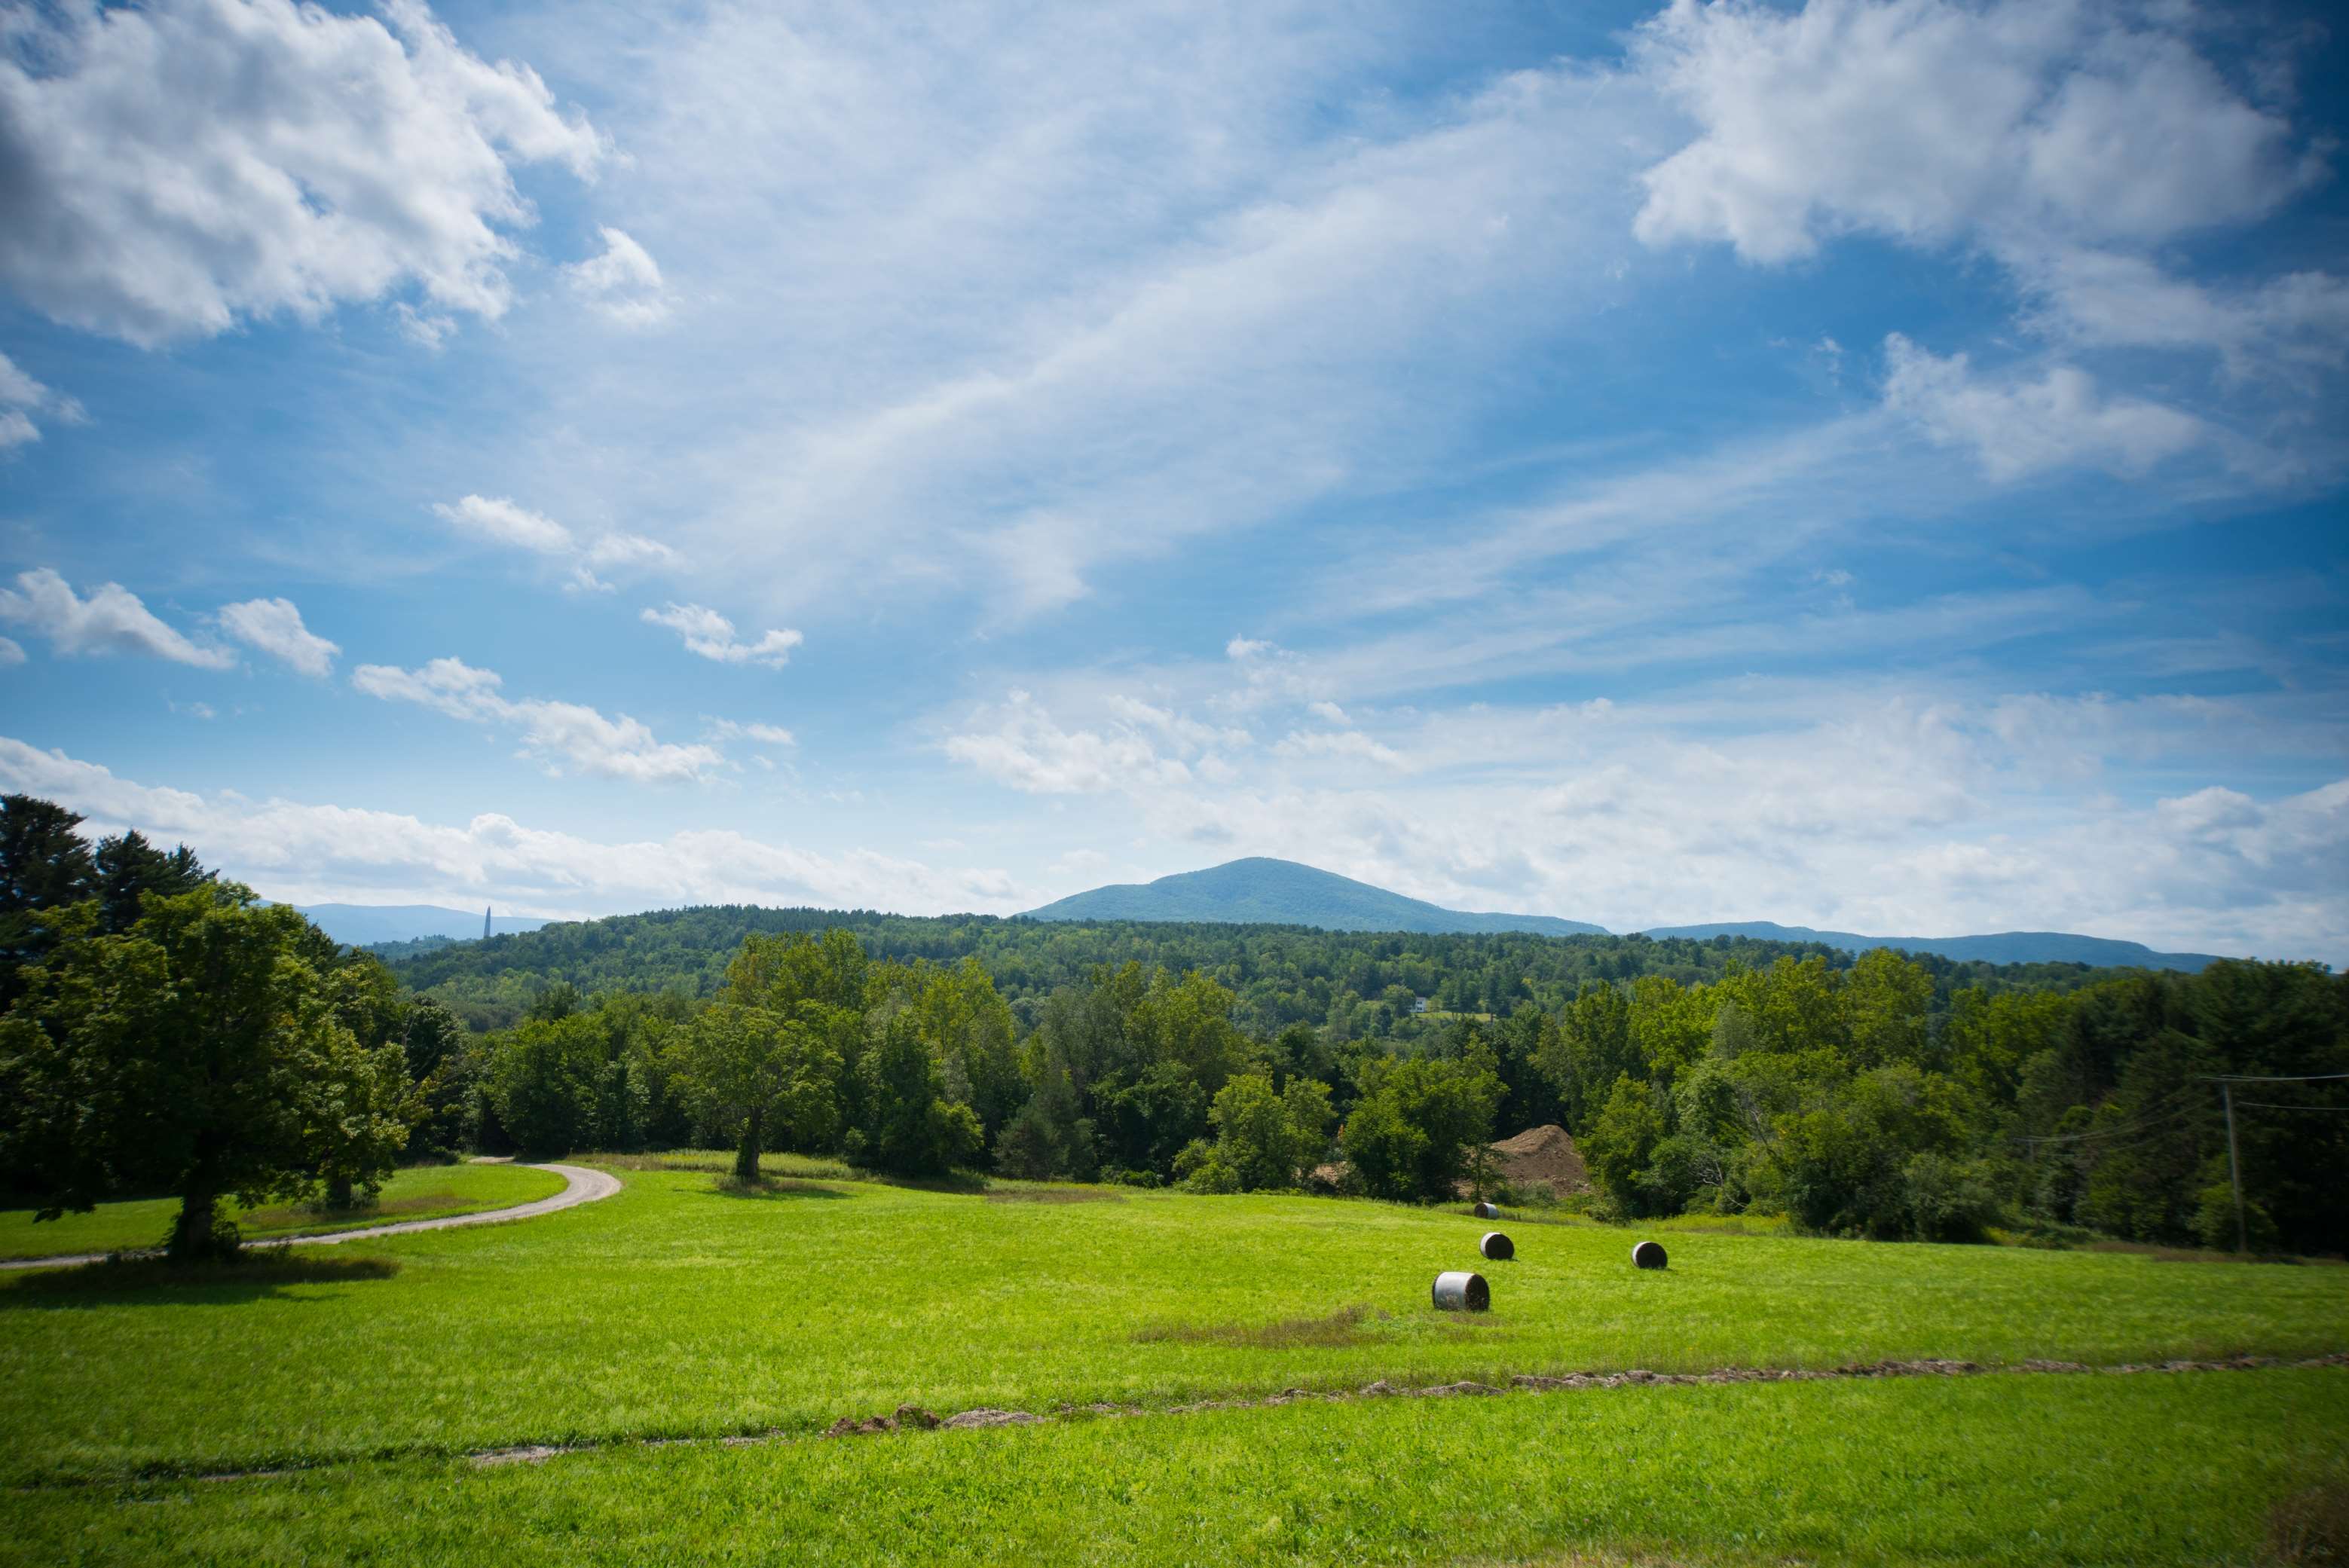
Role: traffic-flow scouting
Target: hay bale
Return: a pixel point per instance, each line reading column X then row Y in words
column 1488, row 1211
column 1497, row 1247
column 1457, row 1290
column 1648, row 1255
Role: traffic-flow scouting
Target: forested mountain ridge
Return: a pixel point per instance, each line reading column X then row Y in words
column 1263, row 890
column 1366, row 984
column 2000, row 947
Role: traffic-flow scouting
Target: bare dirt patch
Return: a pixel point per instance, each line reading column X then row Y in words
column 1543, row 1156
column 1344, row 1327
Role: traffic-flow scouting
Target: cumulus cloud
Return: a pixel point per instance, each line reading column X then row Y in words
column 110, row 621
column 2067, row 140
column 623, row 283
column 2020, row 427
column 556, row 733
column 21, row 397
column 274, row 627
column 11, row 652
column 1929, row 122
column 314, row 853
column 503, row 521
column 177, row 167
column 711, row 635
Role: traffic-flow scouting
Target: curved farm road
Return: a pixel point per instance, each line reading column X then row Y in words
column 587, row 1186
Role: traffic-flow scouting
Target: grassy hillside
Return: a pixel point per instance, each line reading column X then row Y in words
column 1260, row 891
column 677, row 1308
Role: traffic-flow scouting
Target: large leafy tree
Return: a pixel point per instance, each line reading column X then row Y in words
column 910, row 1129
column 761, row 1075
column 198, row 1051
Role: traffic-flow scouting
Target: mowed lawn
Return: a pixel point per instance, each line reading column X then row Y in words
column 420, row 1193
column 677, row 1309
column 2189, row 1468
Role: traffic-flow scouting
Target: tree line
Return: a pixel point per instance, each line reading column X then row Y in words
column 1348, row 983
column 165, row 1032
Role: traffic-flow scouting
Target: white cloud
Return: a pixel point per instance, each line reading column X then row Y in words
column 11, row 653
column 2067, row 140
column 557, row 733
column 2020, row 427
column 305, row 853
column 1019, row 745
column 1342, row 745
column 179, row 165
column 1929, row 122
column 1855, row 804
column 274, row 627
column 21, row 397
column 624, row 283
column 503, row 521
column 110, row 621
column 711, row 635
column 770, row 734
column 1246, row 648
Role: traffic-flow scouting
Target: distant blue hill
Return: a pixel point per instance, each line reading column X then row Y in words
column 360, row 924
column 1281, row 892
column 2005, row 947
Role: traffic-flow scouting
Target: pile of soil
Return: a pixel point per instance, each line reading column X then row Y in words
column 1546, row 1155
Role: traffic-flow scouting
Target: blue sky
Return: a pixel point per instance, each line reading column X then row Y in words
column 1865, row 465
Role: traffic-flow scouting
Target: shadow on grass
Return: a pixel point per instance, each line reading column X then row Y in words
column 962, row 1182
column 774, row 1187
column 153, row 1281
column 1052, row 1195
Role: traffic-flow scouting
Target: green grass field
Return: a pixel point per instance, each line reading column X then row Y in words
column 420, row 1192
column 1996, row 1470
column 677, row 1309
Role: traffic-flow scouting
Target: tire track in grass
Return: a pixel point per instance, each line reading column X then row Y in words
column 914, row 1418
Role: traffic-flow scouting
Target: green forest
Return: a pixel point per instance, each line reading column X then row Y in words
column 1877, row 1096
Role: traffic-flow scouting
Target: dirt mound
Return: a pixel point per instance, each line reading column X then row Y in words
column 1543, row 1154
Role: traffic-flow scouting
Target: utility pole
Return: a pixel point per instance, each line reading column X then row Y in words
column 2234, row 1168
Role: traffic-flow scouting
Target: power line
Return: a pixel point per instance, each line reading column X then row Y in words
column 2242, row 1077
column 2277, row 1105
column 2172, row 1114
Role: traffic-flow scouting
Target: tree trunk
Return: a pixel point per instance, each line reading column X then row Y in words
column 746, row 1159
column 338, row 1192
column 199, row 1235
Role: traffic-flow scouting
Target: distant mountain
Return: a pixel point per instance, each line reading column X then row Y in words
column 359, row 925
column 1281, row 892
column 2005, row 947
